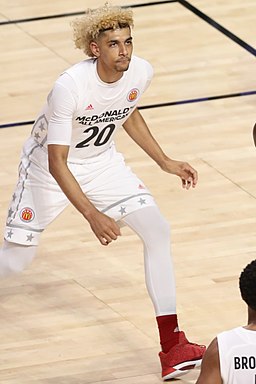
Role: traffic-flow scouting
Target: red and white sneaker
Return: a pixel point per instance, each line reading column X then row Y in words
column 181, row 358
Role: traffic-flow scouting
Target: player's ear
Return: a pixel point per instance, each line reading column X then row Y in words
column 95, row 49
column 254, row 134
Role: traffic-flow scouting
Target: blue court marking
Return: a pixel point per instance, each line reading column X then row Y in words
column 18, row 124
column 198, row 100
column 151, row 106
column 219, row 27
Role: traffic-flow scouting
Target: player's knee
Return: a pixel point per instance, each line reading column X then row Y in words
column 14, row 258
column 159, row 228
column 163, row 227
column 12, row 265
column 157, row 225
column 8, row 270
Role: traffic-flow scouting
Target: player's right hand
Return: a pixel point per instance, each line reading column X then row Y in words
column 104, row 227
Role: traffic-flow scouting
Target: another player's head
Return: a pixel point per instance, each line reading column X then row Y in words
column 247, row 284
column 112, row 23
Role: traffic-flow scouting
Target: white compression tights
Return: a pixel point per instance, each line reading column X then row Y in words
column 154, row 230
column 15, row 257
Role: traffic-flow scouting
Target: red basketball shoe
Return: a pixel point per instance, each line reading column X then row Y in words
column 181, row 358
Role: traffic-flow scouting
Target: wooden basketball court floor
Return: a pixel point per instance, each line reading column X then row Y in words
column 80, row 313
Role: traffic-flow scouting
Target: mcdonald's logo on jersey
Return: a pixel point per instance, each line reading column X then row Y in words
column 133, row 94
column 27, row 215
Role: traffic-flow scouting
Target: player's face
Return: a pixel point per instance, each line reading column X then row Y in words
column 114, row 51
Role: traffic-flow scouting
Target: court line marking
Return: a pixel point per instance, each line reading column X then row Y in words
column 219, row 27
column 159, row 105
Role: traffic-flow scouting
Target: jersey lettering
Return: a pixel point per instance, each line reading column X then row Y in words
column 102, row 137
column 244, row 362
column 106, row 117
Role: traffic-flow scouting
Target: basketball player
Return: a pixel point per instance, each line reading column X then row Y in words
column 231, row 356
column 71, row 157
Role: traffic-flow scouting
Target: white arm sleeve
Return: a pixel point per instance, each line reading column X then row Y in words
column 62, row 104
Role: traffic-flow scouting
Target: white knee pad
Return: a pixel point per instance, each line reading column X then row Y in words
column 14, row 258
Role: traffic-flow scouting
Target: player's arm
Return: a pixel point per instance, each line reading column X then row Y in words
column 104, row 227
column 138, row 130
column 62, row 102
column 210, row 369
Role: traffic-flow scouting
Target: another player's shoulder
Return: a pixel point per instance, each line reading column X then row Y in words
column 213, row 347
column 210, row 369
column 236, row 337
column 211, row 357
column 230, row 334
column 254, row 134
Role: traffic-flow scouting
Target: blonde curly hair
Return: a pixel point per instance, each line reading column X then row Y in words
column 88, row 28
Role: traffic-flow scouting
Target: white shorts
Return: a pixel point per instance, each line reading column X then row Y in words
column 37, row 200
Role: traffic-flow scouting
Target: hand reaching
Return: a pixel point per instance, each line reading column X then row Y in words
column 187, row 174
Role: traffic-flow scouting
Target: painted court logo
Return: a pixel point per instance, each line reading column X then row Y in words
column 27, row 215
column 133, row 94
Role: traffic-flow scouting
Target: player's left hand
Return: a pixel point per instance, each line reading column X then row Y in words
column 187, row 174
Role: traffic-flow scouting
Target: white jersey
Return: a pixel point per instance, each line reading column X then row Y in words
column 237, row 351
column 84, row 113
